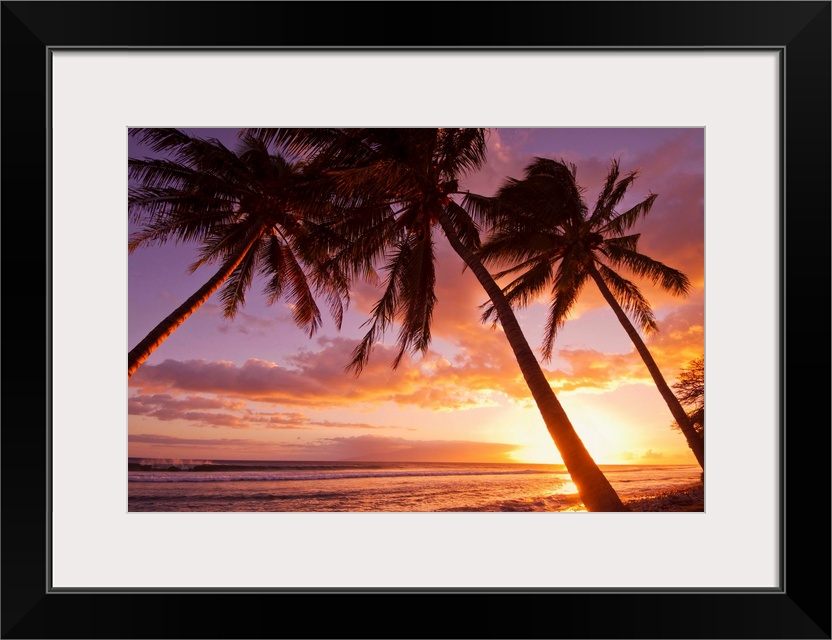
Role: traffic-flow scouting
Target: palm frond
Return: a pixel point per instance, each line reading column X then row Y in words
column 630, row 298
column 210, row 156
column 549, row 193
column 534, row 196
column 331, row 277
column 459, row 151
column 383, row 181
column 524, row 289
column 273, row 265
column 305, row 311
column 331, row 283
column 464, row 225
column 149, row 203
column 669, row 279
column 225, row 241
column 384, row 310
column 620, row 190
column 233, row 293
column 627, row 242
column 417, row 287
column 567, row 287
column 295, row 141
column 480, row 208
column 620, row 223
column 179, row 229
column 510, row 247
column 160, row 138
column 164, row 229
column 609, row 184
column 161, row 172
column 558, row 171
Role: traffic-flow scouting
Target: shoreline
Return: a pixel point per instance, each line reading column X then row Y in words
column 690, row 498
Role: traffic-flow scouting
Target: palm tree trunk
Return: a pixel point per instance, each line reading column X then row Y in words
column 594, row 488
column 695, row 441
column 161, row 331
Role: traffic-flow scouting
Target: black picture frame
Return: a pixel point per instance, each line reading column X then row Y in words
column 800, row 608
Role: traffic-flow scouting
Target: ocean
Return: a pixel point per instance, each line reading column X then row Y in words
column 232, row 486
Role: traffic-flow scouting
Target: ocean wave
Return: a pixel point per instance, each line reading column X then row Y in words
column 305, row 475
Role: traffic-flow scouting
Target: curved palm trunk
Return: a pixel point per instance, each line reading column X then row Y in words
column 161, row 331
column 695, row 441
column 594, row 488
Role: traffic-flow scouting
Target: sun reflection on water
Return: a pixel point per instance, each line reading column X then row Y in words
column 566, row 489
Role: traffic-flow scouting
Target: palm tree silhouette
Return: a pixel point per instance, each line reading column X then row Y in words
column 395, row 188
column 248, row 210
column 544, row 231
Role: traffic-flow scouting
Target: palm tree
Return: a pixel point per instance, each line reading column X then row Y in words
column 545, row 232
column 396, row 188
column 247, row 211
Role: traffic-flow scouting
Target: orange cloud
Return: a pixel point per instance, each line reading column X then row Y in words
column 681, row 337
column 593, row 370
column 318, row 379
column 481, row 370
column 679, row 340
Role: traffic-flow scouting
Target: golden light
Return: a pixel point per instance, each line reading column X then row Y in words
column 606, row 436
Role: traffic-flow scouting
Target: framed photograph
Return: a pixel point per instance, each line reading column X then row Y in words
column 727, row 104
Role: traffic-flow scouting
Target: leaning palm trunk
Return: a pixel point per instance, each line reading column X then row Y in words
column 594, row 488
column 695, row 441
column 161, row 331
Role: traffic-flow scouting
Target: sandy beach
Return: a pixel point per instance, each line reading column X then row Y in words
column 235, row 485
column 690, row 498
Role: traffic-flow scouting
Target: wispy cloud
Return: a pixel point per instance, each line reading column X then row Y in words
column 392, row 449
column 357, row 448
column 167, row 408
column 175, row 441
column 317, row 379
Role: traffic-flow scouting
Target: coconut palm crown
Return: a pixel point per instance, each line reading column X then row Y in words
column 251, row 211
column 546, row 236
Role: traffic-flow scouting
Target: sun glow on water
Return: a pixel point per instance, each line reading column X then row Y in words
column 566, row 489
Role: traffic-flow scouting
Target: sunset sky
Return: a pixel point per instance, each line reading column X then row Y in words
column 259, row 388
